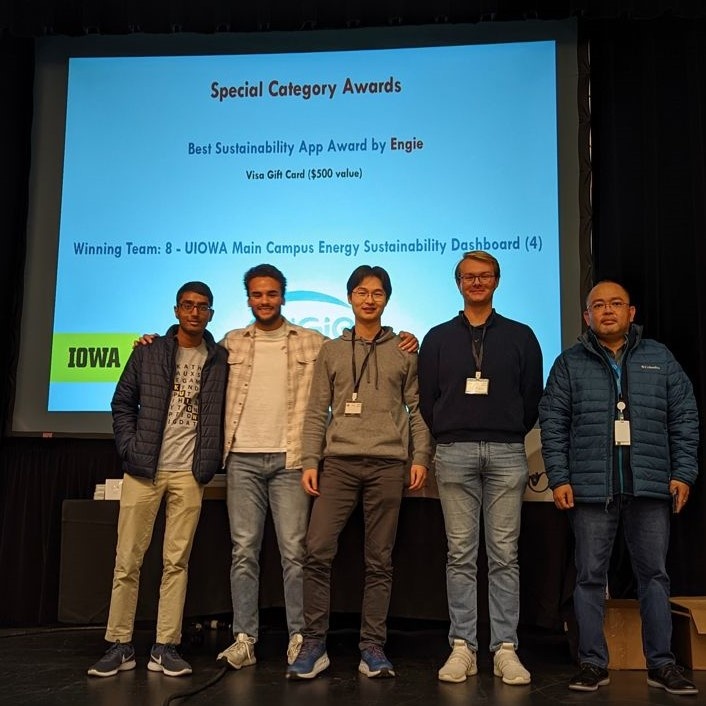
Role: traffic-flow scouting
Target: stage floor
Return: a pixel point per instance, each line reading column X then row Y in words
column 48, row 668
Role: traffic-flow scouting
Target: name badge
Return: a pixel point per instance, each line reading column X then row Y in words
column 621, row 432
column 477, row 386
column 353, row 409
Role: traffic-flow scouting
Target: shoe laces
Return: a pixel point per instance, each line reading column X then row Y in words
column 121, row 647
column 376, row 652
column 592, row 669
column 308, row 647
column 294, row 646
column 244, row 644
column 671, row 670
column 171, row 651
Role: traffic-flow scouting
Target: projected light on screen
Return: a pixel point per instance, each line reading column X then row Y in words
column 188, row 167
column 158, row 159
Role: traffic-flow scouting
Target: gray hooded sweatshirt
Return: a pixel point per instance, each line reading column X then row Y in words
column 389, row 395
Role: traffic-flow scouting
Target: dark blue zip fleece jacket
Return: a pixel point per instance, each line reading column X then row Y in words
column 577, row 412
column 512, row 361
column 141, row 402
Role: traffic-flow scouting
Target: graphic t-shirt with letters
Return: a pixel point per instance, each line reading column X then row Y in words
column 179, row 437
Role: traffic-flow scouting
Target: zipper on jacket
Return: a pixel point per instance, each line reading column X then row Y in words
column 603, row 357
column 165, row 414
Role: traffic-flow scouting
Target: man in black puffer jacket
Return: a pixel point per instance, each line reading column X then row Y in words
column 168, row 425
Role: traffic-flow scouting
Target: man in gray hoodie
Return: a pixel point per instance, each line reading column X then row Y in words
column 362, row 411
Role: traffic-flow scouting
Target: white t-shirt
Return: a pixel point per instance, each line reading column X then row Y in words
column 263, row 423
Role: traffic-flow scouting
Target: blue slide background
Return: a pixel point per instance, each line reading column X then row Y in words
column 487, row 172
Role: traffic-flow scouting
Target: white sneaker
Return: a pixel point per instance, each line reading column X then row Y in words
column 460, row 664
column 507, row 665
column 295, row 644
column 241, row 653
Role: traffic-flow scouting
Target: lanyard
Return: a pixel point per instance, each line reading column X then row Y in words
column 357, row 378
column 476, row 348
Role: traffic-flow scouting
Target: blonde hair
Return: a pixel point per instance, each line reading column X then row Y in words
column 479, row 256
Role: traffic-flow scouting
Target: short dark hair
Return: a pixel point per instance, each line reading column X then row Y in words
column 363, row 271
column 198, row 288
column 264, row 270
column 609, row 280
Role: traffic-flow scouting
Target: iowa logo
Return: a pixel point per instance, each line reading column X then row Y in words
column 94, row 357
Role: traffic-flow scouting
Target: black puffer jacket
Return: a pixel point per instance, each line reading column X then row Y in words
column 141, row 402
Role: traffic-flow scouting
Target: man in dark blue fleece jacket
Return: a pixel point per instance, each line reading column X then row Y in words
column 480, row 380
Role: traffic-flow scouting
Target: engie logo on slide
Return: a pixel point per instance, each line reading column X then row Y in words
column 89, row 357
column 319, row 311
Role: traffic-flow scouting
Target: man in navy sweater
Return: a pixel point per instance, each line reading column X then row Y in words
column 480, row 381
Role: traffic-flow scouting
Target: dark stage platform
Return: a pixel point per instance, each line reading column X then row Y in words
column 48, row 668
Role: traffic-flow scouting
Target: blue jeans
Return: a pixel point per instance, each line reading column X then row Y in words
column 490, row 476
column 254, row 481
column 646, row 530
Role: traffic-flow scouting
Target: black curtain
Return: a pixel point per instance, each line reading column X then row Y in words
column 648, row 82
column 646, row 69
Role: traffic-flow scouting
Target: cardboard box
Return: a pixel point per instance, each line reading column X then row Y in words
column 689, row 630
column 113, row 488
column 623, row 633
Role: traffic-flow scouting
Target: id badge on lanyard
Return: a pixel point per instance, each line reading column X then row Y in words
column 477, row 385
column 354, row 407
column 621, row 427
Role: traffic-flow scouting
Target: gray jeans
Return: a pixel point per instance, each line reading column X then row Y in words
column 379, row 482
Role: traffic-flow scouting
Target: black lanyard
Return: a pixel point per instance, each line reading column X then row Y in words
column 357, row 378
column 476, row 348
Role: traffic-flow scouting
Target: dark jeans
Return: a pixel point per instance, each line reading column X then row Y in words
column 342, row 482
column 645, row 524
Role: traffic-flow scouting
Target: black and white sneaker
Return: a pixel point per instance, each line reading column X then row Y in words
column 119, row 657
column 165, row 658
column 589, row 678
column 671, row 679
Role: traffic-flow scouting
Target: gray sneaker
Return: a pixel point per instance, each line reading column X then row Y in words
column 165, row 658
column 119, row 657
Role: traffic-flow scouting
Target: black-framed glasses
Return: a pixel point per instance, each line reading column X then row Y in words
column 378, row 295
column 483, row 277
column 187, row 307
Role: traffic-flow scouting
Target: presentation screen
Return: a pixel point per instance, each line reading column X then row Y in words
column 179, row 167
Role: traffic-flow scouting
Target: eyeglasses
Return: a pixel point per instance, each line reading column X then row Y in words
column 377, row 294
column 187, row 307
column 483, row 277
column 613, row 304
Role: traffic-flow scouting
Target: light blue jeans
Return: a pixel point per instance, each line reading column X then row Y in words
column 490, row 476
column 254, row 481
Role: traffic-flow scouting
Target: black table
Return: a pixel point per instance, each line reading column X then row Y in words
column 89, row 532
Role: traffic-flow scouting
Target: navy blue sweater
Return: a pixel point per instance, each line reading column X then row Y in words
column 512, row 361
